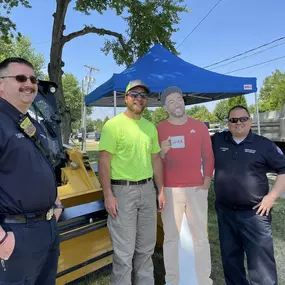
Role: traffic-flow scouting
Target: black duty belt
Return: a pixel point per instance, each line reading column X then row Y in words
column 235, row 207
column 241, row 208
column 23, row 219
column 126, row 182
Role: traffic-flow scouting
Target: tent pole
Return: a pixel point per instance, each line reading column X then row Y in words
column 257, row 112
column 115, row 103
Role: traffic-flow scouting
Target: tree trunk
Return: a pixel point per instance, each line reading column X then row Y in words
column 56, row 64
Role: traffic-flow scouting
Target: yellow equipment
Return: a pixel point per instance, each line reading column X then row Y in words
column 85, row 242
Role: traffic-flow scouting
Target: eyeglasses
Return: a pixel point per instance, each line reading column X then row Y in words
column 23, row 78
column 241, row 119
column 137, row 95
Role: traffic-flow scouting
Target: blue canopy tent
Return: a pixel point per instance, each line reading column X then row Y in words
column 159, row 69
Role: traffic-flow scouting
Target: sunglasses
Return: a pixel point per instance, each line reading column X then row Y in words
column 23, row 78
column 241, row 119
column 137, row 95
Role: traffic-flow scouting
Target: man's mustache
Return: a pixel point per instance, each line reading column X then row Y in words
column 29, row 89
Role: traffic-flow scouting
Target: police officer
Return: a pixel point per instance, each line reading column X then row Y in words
column 29, row 207
column 243, row 200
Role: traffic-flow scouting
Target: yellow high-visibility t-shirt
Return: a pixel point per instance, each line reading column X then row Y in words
column 132, row 143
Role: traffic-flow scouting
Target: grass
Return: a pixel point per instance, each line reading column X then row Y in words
column 91, row 148
column 102, row 277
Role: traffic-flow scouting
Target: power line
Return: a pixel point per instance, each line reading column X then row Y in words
column 247, row 56
column 248, row 51
column 274, row 59
column 199, row 23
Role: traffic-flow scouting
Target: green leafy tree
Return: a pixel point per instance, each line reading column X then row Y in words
column 98, row 125
column 105, row 120
column 148, row 22
column 147, row 114
column 204, row 115
column 22, row 47
column 190, row 112
column 238, row 100
column 90, row 125
column 221, row 110
column 272, row 93
column 73, row 98
column 7, row 27
column 158, row 115
column 251, row 109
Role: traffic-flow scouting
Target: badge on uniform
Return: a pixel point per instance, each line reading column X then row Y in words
column 27, row 126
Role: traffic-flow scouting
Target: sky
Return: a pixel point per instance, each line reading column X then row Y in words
column 233, row 27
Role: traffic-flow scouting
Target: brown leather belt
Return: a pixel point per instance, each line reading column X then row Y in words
column 126, row 182
column 23, row 219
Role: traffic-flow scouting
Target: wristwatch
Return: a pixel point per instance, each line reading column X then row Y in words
column 58, row 206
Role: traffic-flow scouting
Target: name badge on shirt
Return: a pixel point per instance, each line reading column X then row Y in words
column 177, row 142
column 27, row 126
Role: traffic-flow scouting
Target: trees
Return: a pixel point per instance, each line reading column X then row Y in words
column 22, row 47
column 221, row 110
column 251, row 109
column 99, row 124
column 238, row 100
column 90, row 125
column 190, row 112
column 147, row 114
column 158, row 115
column 6, row 25
column 272, row 93
column 201, row 113
column 73, row 99
column 148, row 22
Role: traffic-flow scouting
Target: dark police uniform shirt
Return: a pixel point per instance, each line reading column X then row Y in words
column 240, row 169
column 27, row 181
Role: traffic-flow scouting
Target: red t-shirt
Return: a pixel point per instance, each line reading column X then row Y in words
column 190, row 154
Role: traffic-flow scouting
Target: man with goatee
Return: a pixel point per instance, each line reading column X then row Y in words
column 129, row 158
column 188, row 164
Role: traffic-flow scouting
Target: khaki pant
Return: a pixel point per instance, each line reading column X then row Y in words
column 133, row 234
column 195, row 206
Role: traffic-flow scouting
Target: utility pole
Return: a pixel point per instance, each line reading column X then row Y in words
column 82, row 112
column 89, row 80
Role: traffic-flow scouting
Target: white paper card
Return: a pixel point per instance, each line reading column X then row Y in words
column 177, row 142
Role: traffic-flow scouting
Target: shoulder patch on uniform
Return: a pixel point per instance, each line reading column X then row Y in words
column 279, row 150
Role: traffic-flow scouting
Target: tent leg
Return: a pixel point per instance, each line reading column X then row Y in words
column 115, row 103
column 257, row 113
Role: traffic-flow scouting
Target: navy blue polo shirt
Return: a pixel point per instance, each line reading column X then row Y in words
column 240, row 169
column 27, row 180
